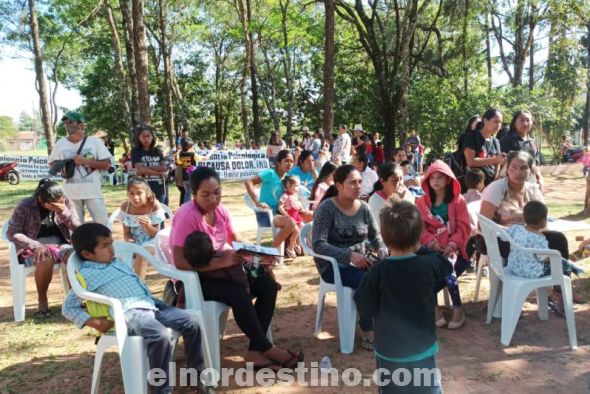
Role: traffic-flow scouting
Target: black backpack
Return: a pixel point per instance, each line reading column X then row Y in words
column 456, row 161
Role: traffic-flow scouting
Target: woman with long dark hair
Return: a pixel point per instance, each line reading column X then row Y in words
column 150, row 162
column 341, row 226
column 389, row 185
column 271, row 190
column 41, row 227
column 482, row 149
column 206, row 214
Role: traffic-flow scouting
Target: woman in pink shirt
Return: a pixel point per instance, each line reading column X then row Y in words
column 206, row 213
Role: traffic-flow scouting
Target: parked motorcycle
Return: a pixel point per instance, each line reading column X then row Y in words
column 10, row 172
column 573, row 154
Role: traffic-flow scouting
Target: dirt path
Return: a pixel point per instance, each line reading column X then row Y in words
column 58, row 358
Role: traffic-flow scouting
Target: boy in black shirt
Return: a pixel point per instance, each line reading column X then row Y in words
column 399, row 294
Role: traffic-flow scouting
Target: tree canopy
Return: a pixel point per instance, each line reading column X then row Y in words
column 235, row 70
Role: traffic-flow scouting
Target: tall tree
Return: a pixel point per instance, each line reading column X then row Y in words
column 127, row 20
column 395, row 39
column 514, row 29
column 166, row 53
column 329, row 54
column 42, row 88
column 287, row 67
column 121, row 75
column 141, row 61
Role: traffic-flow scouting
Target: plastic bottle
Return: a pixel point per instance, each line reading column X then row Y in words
column 325, row 364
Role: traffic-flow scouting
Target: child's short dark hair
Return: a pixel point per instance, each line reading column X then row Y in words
column 535, row 213
column 198, row 249
column 401, row 224
column 85, row 237
column 473, row 177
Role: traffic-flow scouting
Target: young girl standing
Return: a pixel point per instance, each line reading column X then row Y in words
column 290, row 205
column 446, row 229
column 149, row 162
column 142, row 216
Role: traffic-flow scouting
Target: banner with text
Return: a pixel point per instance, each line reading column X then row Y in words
column 230, row 164
column 234, row 164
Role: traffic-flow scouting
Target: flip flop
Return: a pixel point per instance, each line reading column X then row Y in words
column 368, row 344
column 273, row 366
column 41, row 315
column 294, row 360
column 557, row 308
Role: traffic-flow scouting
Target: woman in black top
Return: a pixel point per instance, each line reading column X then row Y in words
column 149, row 162
column 482, row 149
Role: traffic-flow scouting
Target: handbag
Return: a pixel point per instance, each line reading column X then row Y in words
column 70, row 165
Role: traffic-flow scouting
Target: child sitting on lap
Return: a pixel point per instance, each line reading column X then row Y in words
column 527, row 265
column 290, row 205
column 145, row 315
column 399, row 294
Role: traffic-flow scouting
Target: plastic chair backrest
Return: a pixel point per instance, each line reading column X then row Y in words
column 11, row 246
column 162, row 243
column 305, row 238
column 473, row 209
column 490, row 232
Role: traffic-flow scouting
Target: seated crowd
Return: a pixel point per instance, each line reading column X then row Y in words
column 388, row 225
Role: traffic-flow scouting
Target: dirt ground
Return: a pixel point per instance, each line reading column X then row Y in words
column 56, row 357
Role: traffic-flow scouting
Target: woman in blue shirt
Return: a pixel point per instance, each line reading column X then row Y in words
column 271, row 190
column 305, row 170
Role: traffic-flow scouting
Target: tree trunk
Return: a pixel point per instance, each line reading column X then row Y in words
column 132, row 80
column 123, row 86
column 269, row 94
column 141, row 61
column 287, row 66
column 245, row 70
column 464, row 49
column 166, row 57
column 180, row 100
column 253, row 77
column 40, row 78
column 488, row 50
column 329, row 67
column 586, row 125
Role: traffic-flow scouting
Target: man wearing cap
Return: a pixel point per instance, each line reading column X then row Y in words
column 84, row 187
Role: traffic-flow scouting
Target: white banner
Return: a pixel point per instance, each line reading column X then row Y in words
column 30, row 167
column 235, row 164
column 230, row 164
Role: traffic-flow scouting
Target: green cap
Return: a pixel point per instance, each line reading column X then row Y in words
column 74, row 116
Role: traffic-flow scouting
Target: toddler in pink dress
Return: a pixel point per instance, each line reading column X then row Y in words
column 290, row 205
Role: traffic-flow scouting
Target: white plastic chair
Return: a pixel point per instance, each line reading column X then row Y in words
column 514, row 289
column 473, row 208
column 18, row 278
column 215, row 313
column 132, row 350
column 117, row 212
column 263, row 230
column 346, row 306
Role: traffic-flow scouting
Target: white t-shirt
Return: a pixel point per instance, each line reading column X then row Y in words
column 86, row 182
column 496, row 193
column 369, row 178
column 341, row 148
column 377, row 202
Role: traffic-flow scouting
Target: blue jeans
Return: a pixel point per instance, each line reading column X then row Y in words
column 351, row 276
column 263, row 219
column 152, row 326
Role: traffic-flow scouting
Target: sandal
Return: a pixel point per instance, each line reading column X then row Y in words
column 557, row 308
column 41, row 315
column 298, row 250
column 291, row 254
column 271, row 365
column 295, row 359
column 368, row 344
